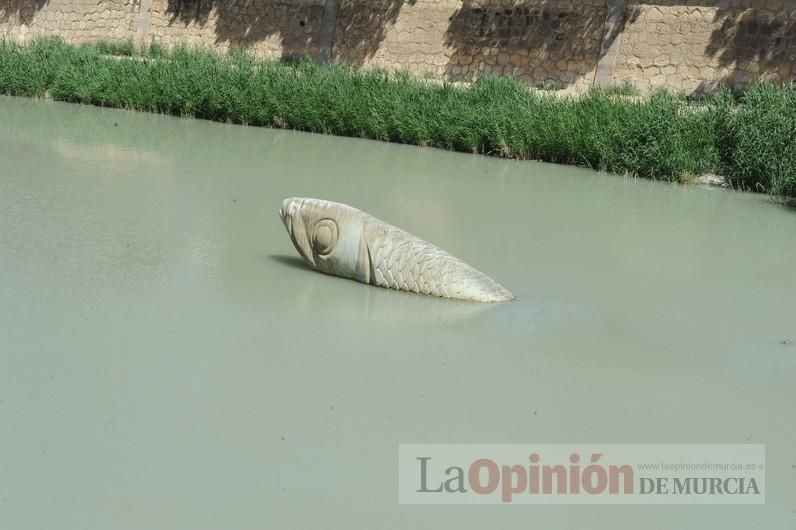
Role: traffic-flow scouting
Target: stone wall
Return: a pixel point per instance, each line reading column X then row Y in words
column 274, row 28
column 699, row 45
column 461, row 40
column 685, row 45
column 74, row 20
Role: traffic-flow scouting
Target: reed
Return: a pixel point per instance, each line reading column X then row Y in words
column 750, row 138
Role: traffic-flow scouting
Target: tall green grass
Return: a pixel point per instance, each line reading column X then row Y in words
column 750, row 139
column 757, row 138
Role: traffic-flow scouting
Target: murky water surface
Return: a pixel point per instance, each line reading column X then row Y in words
column 166, row 362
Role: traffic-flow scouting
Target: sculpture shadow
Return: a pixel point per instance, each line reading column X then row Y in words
column 359, row 29
column 20, row 11
column 540, row 41
column 290, row 261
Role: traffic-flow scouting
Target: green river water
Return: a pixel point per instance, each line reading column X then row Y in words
column 166, row 361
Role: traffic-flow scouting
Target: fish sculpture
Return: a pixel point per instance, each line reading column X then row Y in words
column 342, row 241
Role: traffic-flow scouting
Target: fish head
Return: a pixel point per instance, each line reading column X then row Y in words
column 328, row 235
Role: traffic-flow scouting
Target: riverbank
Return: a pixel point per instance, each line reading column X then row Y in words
column 750, row 138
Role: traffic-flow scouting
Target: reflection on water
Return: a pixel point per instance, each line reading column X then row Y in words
column 105, row 154
column 377, row 304
column 164, row 353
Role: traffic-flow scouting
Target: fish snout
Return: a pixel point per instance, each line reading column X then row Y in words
column 291, row 216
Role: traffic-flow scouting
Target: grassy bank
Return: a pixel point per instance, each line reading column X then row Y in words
column 750, row 138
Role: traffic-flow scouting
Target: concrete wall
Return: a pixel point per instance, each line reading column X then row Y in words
column 685, row 45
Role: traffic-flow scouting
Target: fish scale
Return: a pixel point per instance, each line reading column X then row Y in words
column 404, row 262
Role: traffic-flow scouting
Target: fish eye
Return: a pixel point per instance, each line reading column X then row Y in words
column 324, row 236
